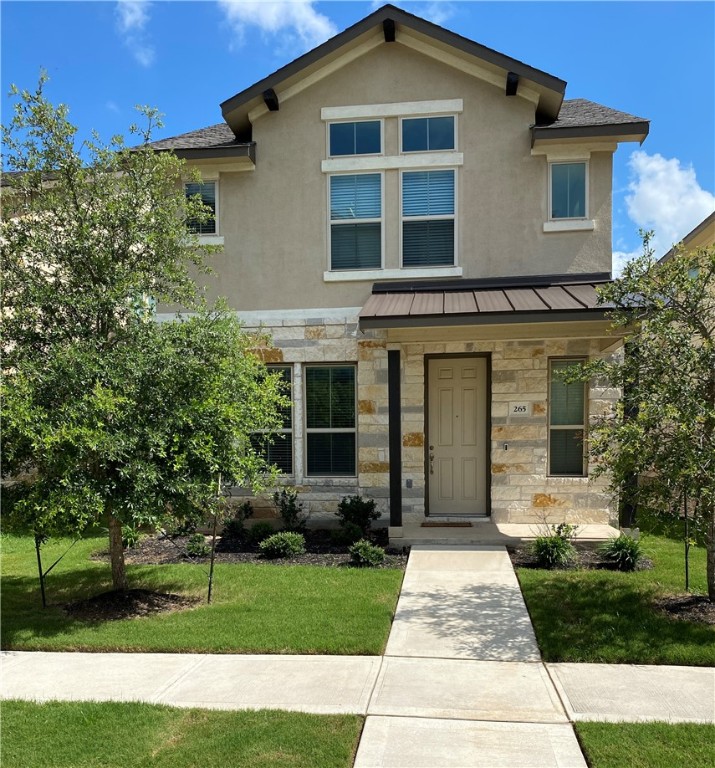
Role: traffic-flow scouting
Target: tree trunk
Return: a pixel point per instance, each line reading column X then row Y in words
column 116, row 553
column 710, row 544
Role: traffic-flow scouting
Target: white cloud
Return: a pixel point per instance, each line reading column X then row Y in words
column 132, row 19
column 665, row 197
column 438, row 12
column 294, row 23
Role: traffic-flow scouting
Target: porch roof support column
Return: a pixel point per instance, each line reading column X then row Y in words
column 395, row 436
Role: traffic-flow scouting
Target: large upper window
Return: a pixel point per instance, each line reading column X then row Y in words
column 428, row 218
column 207, row 192
column 427, row 134
column 278, row 450
column 330, row 420
column 567, row 422
column 360, row 138
column 356, row 221
column 568, row 191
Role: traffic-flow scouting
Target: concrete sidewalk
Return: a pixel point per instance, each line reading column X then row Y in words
column 461, row 682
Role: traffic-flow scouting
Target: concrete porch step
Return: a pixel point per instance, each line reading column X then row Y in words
column 482, row 532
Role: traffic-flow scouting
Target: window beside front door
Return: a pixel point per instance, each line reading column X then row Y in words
column 278, row 449
column 567, row 422
column 330, row 422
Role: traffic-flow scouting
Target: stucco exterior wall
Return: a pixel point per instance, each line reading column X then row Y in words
column 274, row 218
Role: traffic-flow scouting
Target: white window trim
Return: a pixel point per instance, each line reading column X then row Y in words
column 394, row 109
column 587, row 179
column 436, row 159
column 368, row 154
column 427, row 151
column 215, row 238
column 407, row 273
column 441, row 217
column 326, row 430
column 563, row 427
column 381, row 221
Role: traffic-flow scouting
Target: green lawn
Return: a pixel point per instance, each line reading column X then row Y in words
column 605, row 616
column 647, row 745
column 119, row 735
column 256, row 608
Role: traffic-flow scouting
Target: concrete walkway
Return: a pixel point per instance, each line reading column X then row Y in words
column 461, row 683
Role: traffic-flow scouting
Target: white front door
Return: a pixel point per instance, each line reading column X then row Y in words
column 457, row 435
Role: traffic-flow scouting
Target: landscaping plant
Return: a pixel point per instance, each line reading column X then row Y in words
column 358, row 512
column 363, row 554
column 624, row 552
column 196, row 546
column 555, row 549
column 260, row 531
column 283, row 544
column 290, row 509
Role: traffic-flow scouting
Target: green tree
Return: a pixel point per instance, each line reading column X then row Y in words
column 108, row 415
column 663, row 432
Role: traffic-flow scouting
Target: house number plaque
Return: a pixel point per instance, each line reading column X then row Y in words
column 519, row 410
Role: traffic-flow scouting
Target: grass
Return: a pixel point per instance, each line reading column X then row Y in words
column 255, row 609
column 121, row 735
column 609, row 617
column 647, row 745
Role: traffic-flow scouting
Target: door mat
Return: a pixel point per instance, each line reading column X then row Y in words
column 445, row 524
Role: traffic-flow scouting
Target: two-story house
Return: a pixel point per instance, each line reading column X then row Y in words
column 421, row 223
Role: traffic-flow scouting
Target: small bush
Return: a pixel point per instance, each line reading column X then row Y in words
column 283, row 544
column 366, row 555
column 259, row 531
column 130, row 536
column 624, row 552
column 290, row 509
column 554, row 549
column 348, row 534
column 234, row 527
column 354, row 510
column 196, row 546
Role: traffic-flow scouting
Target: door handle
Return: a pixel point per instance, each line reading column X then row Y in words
column 431, row 463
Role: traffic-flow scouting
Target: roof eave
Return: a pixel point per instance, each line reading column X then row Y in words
column 235, row 109
column 247, row 151
column 621, row 132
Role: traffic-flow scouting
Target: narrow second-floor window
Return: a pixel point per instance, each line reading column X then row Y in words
column 568, row 191
column 428, row 218
column 207, row 192
column 356, row 221
column 567, row 421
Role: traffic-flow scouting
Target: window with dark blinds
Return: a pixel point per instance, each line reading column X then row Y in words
column 278, row 449
column 356, row 221
column 330, row 422
column 428, row 218
column 207, row 192
column 567, row 422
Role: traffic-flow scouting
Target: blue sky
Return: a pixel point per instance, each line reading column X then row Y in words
column 653, row 59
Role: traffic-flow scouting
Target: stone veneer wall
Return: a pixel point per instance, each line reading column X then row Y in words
column 521, row 491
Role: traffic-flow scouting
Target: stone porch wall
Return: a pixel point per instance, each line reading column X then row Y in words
column 521, row 490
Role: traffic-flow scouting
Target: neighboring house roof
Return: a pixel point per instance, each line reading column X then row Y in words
column 702, row 236
column 474, row 302
column 582, row 118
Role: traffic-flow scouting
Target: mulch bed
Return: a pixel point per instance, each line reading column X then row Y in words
column 321, row 550
column 110, row 606
column 587, row 560
column 696, row 608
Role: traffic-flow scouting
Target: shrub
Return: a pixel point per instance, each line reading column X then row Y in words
column 348, row 534
column 366, row 555
column 259, row 531
column 354, row 510
column 234, row 527
column 283, row 544
column 289, row 509
column 196, row 546
column 554, row 549
column 130, row 536
column 624, row 552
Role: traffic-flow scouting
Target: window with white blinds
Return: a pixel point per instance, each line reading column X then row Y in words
column 330, row 422
column 356, row 221
column 278, row 449
column 428, row 214
column 207, row 192
column 567, row 422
